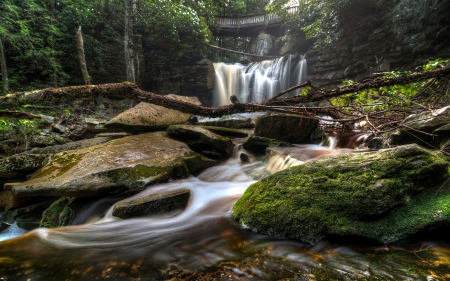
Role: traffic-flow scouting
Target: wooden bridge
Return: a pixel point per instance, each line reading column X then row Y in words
column 250, row 26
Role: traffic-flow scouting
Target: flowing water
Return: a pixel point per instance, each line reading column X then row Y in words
column 259, row 81
column 204, row 243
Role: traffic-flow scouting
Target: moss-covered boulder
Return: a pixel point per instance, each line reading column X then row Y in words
column 259, row 144
column 150, row 117
column 377, row 195
column 285, row 127
column 202, row 140
column 166, row 201
column 129, row 162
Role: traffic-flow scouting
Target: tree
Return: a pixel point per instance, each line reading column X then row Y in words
column 128, row 41
column 83, row 65
column 4, row 73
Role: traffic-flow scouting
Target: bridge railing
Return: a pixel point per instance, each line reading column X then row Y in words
column 259, row 19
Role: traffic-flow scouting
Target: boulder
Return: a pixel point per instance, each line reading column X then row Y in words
column 384, row 195
column 259, row 144
column 149, row 117
column 202, row 140
column 31, row 212
column 431, row 122
column 129, row 162
column 285, row 127
column 157, row 203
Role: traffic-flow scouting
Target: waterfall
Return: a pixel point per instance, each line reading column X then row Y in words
column 259, row 81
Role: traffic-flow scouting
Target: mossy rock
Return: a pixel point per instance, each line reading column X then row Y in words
column 259, row 144
column 200, row 140
column 286, row 127
column 129, row 162
column 368, row 194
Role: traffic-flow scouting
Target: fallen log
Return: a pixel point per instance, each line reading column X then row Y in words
column 131, row 91
column 19, row 115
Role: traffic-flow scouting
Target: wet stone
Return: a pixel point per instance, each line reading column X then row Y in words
column 158, row 203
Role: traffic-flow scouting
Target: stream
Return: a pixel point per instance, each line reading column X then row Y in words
column 204, row 243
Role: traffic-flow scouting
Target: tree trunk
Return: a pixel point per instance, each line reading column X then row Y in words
column 128, row 41
column 80, row 47
column 3, row 68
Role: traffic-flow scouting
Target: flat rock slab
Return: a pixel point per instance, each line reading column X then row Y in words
column 19, row 165
column 129, row 162
column 150, row 117
column 158, row 203
column 8, row 200
column 201, row 140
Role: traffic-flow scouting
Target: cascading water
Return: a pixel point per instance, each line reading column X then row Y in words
column 203, row 243
column 259, row 81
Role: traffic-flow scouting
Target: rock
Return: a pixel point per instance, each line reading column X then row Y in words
column 435, row 121
column 226, row 132
column 9, row 201
column 45, row 140
column 96, row 125
column 376, row 195
column 285, row 127
column 158, row 203
column 200, row 140
column 32, row 212
column 59, row 129
column 149, row 117
column 259, row 144
column 113, row 135
column 20, row 165
column 61, row 212
column 129, row 162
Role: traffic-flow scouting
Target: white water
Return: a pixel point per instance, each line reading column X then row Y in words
column 258, row 82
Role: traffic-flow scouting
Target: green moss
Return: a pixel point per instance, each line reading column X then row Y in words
column 59, row 164
column 51, row 216
column 340, row 194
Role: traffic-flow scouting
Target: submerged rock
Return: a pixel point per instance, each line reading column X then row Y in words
column 129, row 162
column 202, row 140
column 286, row 127
column 150, row 117
column 158, row 203
column 376, row 195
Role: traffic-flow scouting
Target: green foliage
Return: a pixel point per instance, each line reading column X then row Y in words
column 386, row 97
column 325, row 20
